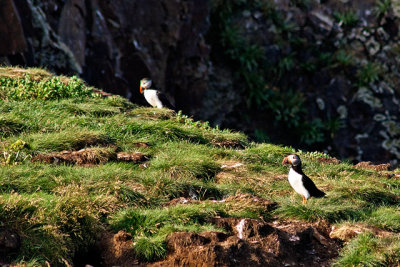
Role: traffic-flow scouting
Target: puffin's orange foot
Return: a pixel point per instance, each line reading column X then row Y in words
column 304, row 200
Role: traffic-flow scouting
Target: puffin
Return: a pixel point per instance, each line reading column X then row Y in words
column 299, row 181
column 154, row 97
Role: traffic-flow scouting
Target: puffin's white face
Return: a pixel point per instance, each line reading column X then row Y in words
column 292, row 160
column 145, row 83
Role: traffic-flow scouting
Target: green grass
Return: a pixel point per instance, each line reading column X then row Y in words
column 61, row 209
column 367, row 250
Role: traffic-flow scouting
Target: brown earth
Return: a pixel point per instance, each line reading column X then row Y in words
column 117, row 250
column 228, row 144
column 328, row 160
column 90, row 156
column 246, row 242
column 370, row 166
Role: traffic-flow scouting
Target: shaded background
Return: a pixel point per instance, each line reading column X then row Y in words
column 317, row 75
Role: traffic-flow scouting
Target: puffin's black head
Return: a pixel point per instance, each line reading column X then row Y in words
column 145, row 83
column 293, row 160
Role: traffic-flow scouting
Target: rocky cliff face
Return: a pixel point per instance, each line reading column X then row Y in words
column 113, row 44
column 317, row 74
column 326, row 73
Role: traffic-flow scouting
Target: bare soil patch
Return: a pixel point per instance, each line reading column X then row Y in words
column 89, row 156
column 116, row 250
column 368, row 165
column 244, row 242
column 328, row 160
column 227, row 144
column 249, row 242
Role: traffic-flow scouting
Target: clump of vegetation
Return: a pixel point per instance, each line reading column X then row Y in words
column 369, row 73
column 151, row 227
column 53, row 87
column 15, row 153
column 348, row 19
column 368, row 250
column 383, row 7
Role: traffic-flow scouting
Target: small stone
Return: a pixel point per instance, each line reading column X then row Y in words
column 342, row 110
column 320, row 103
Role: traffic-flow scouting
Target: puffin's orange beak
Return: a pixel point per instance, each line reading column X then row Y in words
column 286, row 160
column 141, row 90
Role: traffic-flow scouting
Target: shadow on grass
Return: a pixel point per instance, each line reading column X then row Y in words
column 10, row 127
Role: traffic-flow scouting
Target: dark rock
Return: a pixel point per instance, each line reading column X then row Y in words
column 11, row 32
column 10, row 242
column 72, row 28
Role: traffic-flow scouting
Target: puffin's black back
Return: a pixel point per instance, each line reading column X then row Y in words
column 308, row 183
column 310, row 186
column 164, row 99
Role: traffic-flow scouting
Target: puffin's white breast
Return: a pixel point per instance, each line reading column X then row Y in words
column 295, row 180
column 152, row 97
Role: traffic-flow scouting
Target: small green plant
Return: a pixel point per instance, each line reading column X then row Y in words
column 288, row 108
column 286, row 64
column 347, row 19
column 369, row 73
column 180, row 117
column 150, row 248
column 312, row 132
column 15, row 153
column 344, row 58
column 383, row 7
column 46, row 89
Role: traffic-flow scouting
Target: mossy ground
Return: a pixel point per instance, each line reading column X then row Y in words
column 61, row 209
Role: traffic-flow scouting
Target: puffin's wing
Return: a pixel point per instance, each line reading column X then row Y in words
column 164, row 99
column 310, row 186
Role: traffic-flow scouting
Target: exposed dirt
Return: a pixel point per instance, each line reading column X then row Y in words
column 141, row 144
column 370, row 166
column 328, row 160
column 117, row 250
column 227, row 144
column 135, row 157
column 250, row 242
column 246, row 242
column 90, row 156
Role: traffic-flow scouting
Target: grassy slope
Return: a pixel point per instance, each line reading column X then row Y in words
column 59, row 209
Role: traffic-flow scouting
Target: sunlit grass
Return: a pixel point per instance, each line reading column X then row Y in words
column 60, row 209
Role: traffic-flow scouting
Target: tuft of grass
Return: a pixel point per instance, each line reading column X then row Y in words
column 383, row 7
column 369, row 73
column 387, row 218
column 150, row 248
column 10, row 127
column 28, row 88
column 67, row 140
column 367, row 250
column 348, row 18
column 152, row 226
